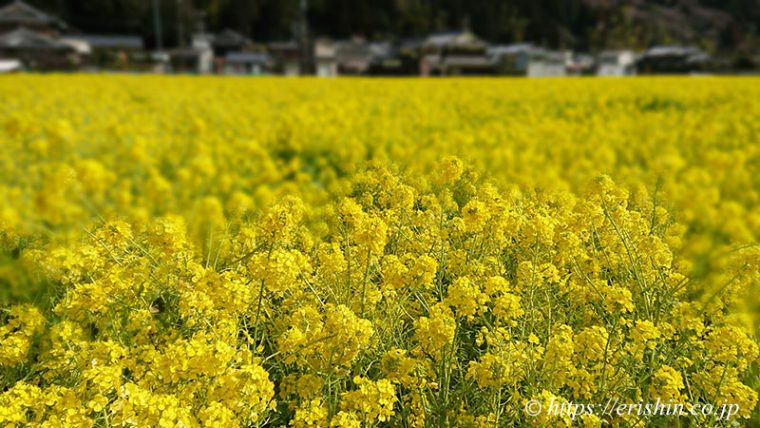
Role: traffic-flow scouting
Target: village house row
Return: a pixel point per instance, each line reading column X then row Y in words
column 31, row 39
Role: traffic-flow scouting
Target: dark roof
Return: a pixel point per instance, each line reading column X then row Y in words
column 21, row 13
column 112, row 41
column 246, row 58
column 230, row 37
column 23, row 38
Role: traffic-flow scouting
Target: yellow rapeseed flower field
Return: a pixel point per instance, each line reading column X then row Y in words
column 205, row 251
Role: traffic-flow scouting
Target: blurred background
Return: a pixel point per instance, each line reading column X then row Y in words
column 383, row 37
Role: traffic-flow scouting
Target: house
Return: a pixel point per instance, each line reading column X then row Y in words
column 353, row 56
column 38, row 41
column 385, row 59
column 31, row 38
column 106, row 51
column 410, row 52
column 36, row 49
column 246, row 63
column 547, row 63
column 20, row 14
column 454, row 53
column 226, row 43
column 581, row 64
column 285, row 58
column 196, row 59
column 616, row 63
column 325, row 58
column 229, row 41
column 511, row 59
column 673, row 59
column 159, row 62
column 525, row 59
column 396, row 59
column 184, row 60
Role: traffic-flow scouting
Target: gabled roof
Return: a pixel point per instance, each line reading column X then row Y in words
column 21, row 13
column 23, row 38
column 230, row 37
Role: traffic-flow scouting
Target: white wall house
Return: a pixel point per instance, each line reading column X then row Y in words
column 202, row 44
column 546, row 63
column 616, row 63
column 325, row 60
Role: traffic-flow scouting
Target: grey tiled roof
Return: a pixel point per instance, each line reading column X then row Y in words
column 22, row 13
column 23, row 38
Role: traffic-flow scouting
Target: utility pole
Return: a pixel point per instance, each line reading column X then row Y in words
column 157, row 26
column 180, row 27
column 304, row 38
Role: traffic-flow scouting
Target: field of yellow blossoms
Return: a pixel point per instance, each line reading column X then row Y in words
column 199, row 251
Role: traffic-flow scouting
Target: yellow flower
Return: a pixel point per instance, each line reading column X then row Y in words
column 374, row 400
column 435, row 332
column 311, row 414
column 666, row 385
column 466, row 298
